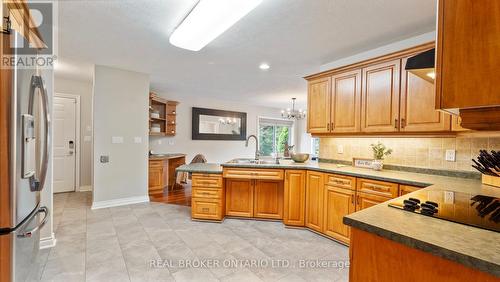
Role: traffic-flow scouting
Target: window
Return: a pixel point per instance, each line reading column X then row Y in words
column 273, row 135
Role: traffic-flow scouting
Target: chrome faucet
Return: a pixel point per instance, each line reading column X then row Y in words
column 256, row 145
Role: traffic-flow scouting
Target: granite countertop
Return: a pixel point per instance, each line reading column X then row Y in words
column 166, row 156
column 474, row 247
column 201, row 168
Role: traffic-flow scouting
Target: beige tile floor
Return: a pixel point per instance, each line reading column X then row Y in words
column 119, row 244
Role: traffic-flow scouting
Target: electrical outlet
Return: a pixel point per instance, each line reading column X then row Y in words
column 137, row 140
column 450, row 155
column 171, row 142
column 449, row 197
column 340, row 149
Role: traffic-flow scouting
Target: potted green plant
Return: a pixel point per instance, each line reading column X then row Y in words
column 380, row 151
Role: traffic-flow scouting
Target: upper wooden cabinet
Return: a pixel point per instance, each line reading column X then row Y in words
column 380, row 97
column 375, row 96
column 417, row 105
column 318, row 106
column 468, row 61
column 468, row 58
column 295, row 198
column 346, row 102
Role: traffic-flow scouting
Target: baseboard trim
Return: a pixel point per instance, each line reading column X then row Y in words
column 119, row 202
column 85, row 188
column 48, row 242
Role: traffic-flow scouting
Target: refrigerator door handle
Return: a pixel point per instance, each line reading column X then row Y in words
column 29, row 233
column 37, row 181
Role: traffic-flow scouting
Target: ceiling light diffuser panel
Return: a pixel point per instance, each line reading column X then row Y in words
column 208, row 20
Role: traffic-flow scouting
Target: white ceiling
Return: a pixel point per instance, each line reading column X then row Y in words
column 294, row 36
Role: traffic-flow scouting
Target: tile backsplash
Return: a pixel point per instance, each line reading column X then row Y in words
column 412, row 152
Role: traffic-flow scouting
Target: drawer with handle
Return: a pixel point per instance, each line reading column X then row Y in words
column 206, row 209
column 346, row 182
column 381, row 188
column 252, row 173
column 199, row 192
column 207, row 180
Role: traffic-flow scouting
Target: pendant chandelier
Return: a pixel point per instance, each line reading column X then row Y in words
column 292, row 113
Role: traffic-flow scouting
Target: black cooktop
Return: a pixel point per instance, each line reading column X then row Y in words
column 475, row 210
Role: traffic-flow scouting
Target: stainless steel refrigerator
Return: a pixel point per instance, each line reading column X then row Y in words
column 28, row 151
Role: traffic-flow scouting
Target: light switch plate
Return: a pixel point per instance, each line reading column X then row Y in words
column 137, row 140
column 117, row 139
column 450, row 155
column 340, row 149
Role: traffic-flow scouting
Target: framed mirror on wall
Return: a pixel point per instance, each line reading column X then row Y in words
column 211, row 124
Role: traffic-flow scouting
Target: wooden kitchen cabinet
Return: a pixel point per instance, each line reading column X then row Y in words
column 318, row 106
column 380, row 97
column 295, row 198
column 366, row 200
column 207, row 202
column 157, row 176
column 268, row 199
column 456, row 124
column 407, row 189
column 378, row 188
column 468, row 61
column 418, row 113
column 314, row 200
column 240, row 197
column 346, row 102
column 338, row 202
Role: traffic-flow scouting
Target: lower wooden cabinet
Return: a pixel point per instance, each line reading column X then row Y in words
column 206, row 208
column 406, row 189
column 157, row 176
column 339, row 201
column 268, row 199
column 314, row 200
column 295, row 198
column 239, row 197
column 208, row 197
column 366, row 200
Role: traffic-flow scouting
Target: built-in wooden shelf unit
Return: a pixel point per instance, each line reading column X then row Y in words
column 162, row 115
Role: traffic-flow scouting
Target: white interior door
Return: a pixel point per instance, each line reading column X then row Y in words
column 64, row 140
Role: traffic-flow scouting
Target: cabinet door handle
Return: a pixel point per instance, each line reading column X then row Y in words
column 403, row 123
column 328, row 127
column 396, row 123
column 352, row 199
column 331, row 126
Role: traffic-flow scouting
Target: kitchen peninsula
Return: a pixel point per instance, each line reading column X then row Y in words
column 322, row 197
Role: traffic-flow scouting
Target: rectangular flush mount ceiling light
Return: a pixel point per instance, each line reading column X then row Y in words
column 208, row 20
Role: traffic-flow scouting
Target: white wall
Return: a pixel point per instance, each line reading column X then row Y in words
column 383, row 50
column 84, row 90
column 121, row 109
column 214, row 151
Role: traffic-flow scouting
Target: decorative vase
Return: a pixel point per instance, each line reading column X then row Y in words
column 377, row 164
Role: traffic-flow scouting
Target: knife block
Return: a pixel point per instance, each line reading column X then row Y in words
column 491, row 180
